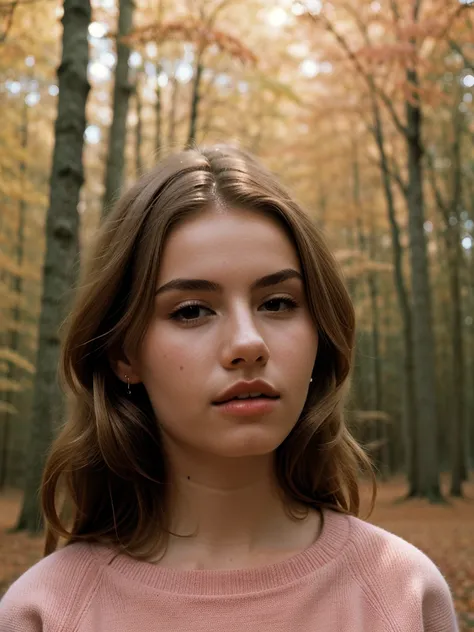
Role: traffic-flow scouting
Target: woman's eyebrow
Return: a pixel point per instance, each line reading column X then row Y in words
column 203, row 285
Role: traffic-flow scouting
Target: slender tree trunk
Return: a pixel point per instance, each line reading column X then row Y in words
column 376, row 398
column 410, row 416
column 357, row 390
column 457, row 427
column 323, row 207
column 138, row 131
column 470, row 273
column 62, row 228
column 451, row 215
column 17, row 288
column 122, row 91
column 428, row 483
column 443, row 322
column 377, row 360
column 471, row 349
column 453, row 237
column 173, row 113
column 195, row 102
column 158, row 117
column 376, row 403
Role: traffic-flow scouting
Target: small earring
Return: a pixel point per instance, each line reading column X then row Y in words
column 311, row 380
column 129, row 392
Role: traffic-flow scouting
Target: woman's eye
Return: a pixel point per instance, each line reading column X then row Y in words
column 189, row 313
column 274, row 304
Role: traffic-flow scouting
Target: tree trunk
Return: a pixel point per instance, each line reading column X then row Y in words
column 138, row 131
column 173, row 113
column 376, row 395
column 428, row 483
column 358, row 392
column 122, row 91
column 410, row 416
column 453, row 237
column 60, row 267
column 457, row 427
column 158, row 118
column 377, row 361
column 195, row 102
column 17, row 287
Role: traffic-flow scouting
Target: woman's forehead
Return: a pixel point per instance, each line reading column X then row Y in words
column 238, row 242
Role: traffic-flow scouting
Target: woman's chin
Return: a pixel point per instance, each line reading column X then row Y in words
column 249, row 442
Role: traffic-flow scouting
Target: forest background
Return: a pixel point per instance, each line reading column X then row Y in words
column 363, row 108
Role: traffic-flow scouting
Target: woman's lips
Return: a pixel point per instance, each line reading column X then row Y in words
column 249, row 407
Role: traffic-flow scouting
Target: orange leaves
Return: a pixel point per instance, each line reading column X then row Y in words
column 194, row 30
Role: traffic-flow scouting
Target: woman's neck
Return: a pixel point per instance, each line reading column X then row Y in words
column 235, row 516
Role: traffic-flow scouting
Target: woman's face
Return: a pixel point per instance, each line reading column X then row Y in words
column 244, row 319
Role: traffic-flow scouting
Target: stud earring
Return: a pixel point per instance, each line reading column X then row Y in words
column 311, row 380
column 129, row 392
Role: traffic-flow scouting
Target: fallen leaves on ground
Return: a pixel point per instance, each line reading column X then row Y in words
column 444, row 532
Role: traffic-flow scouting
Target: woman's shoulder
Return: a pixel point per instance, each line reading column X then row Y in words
column 55, row 588
column 391, row 554
column 396, row 575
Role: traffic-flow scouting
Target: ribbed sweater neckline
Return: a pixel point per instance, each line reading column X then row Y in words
column 328, row 545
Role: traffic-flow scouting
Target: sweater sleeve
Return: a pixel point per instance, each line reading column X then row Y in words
column 437, row 603
column 51, row 595
column 403, row 585
column 16, row 614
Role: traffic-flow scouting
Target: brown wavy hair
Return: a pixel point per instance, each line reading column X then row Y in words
column 108, row 461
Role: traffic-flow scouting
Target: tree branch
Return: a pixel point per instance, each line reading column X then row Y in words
column 416, row 10
column 393, row 173
column 457, row 49
column 397, row 176
column 395, row 11
column 217, row 9
column 360, row 69
column 443, row 207
column 9, row 21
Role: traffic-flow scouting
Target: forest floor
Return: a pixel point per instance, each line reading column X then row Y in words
column 444, row 532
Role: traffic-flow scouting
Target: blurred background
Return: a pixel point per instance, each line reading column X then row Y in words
column 364, row 109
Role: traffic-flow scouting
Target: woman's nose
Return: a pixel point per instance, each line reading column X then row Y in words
column 244, row 342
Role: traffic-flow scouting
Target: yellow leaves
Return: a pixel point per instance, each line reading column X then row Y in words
column 25, row 271
column 18, row 191
column 15, row 358
column 346, row 254
column 356, row 263
column 10, row 299
column 358, row 268
column 9, row 386
column 266, row 82
column 5, row 407
column 378, row 266
column 368, row 416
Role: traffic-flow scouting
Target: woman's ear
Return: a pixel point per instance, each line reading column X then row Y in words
column 123, row 367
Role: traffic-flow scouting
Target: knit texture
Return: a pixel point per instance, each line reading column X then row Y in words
column 355, row 578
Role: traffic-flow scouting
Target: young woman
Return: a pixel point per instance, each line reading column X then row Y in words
column 212, row 480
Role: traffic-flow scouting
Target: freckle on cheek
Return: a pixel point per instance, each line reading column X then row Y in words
column 180, row 368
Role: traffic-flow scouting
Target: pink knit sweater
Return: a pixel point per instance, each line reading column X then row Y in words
column 355, row 578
